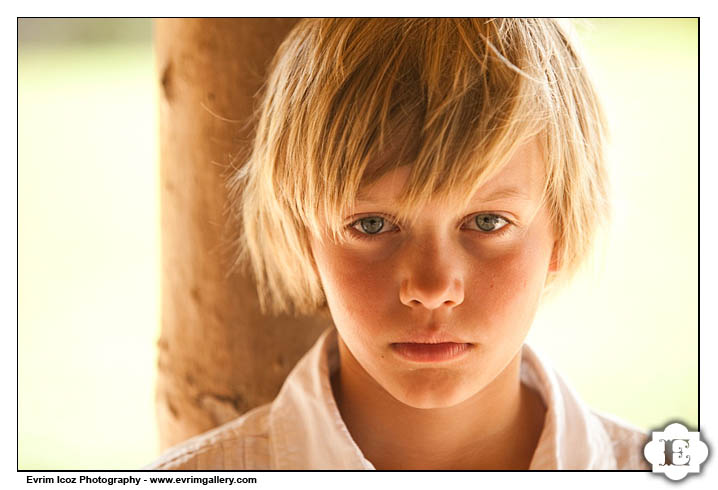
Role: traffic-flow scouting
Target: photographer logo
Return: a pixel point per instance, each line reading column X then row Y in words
column 676, row 452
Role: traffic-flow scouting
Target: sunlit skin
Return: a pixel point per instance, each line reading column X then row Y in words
column 441, row 278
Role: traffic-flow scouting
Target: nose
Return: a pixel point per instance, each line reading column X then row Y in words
column 432, row 278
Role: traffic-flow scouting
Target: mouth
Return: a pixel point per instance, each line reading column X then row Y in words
column 433, row 352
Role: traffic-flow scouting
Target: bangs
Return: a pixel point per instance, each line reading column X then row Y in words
column 431, row 95
column 349, row 100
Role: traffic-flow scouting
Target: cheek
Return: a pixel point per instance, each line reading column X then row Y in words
column 506, row 287
column 357, row 290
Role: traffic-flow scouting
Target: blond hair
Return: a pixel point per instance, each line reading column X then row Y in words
column 348, row 100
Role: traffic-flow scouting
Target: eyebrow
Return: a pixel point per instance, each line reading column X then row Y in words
column 504, row 193
column 498, row 194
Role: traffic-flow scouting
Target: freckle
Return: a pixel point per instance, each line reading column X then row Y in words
column 167, row 81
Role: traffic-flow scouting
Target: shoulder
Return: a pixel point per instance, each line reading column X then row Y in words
column 240, row 444
column 627, row 441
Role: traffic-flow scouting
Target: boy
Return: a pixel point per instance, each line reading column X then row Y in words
column 423, row 181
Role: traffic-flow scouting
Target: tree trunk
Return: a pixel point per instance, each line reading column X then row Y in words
column 218, row 356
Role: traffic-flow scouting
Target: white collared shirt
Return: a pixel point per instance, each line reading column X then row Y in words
column 303, row 429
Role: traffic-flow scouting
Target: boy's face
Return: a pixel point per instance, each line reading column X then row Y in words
column 435, row 310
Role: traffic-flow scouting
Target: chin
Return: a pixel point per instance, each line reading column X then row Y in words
column 431, row 393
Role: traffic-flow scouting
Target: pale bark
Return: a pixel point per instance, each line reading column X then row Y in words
column 218, row 356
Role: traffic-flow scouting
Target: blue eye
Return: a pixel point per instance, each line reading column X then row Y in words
column 371, row 225
column 490, row 222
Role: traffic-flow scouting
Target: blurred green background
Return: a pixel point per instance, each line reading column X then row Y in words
column 624, row 334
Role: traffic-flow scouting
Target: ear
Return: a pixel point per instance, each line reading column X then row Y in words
column 311, row 243
column 554, row 265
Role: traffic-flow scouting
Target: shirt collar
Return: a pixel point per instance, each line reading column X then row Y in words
column 306, row 428
column 307, row 431
column 572, row 437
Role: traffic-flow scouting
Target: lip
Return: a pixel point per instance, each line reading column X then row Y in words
column 431, row 352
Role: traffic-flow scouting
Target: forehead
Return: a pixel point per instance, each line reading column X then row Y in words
column 522, row 177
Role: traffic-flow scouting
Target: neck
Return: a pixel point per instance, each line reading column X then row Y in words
column 497, row 428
